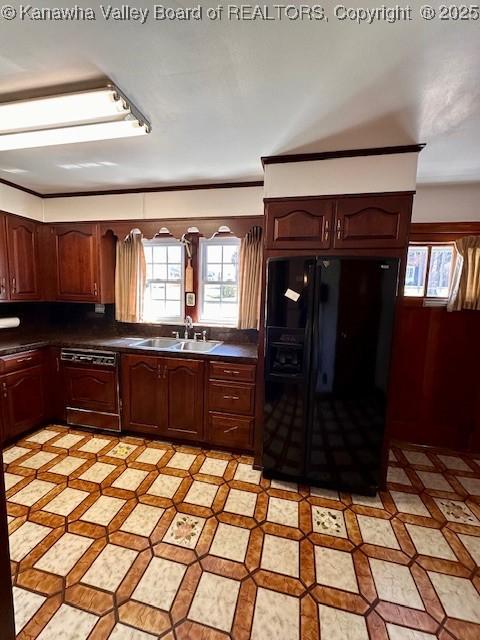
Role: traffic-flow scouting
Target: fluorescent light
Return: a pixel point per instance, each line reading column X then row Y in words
column 99, row 114
column 68, row 135
column 61, row 110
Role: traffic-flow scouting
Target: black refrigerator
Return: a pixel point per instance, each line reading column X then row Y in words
column 329, row 324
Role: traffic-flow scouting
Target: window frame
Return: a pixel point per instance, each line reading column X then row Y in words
column 202, row 262
column 165, row 241
column 425, row 299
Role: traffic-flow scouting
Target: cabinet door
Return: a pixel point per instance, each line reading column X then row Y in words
column 4, row 294
column 90, row 388
column 23, row 259
column 184, row 385
column 23, row 400
column 76, row 250
column 143, row 394
column 372, row 221
column 299, row 224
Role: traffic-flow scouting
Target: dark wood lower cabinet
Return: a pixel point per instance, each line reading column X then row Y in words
column 143, row 394
column 184, row 393
column 24, row 403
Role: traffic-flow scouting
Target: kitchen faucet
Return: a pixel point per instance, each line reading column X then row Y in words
column 188, row 325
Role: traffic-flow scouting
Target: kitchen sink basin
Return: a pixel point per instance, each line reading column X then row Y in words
column 199, row 346
column 157, row 343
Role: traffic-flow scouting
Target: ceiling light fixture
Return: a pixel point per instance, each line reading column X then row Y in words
column 99, row 114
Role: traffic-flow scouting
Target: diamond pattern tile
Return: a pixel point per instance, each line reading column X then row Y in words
column 120, row 538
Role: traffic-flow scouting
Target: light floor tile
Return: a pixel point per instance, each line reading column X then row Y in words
column 430, row 542
column 64, row 554
column 165, row 486
column 42, row 436
column 402, row 633
column 98, row 472
column 11, row 479
column 457, row 511
column 230, row 542
column 328, row 494
column 276, row 616
column 201, row 494
column 458, row 596
column 398, row 475
column 472, row 544
column 454, row 462
column 143, row 520
column 14, row 453
column 67, row 619
column 160, row 582
column 25, row 604
column 39, row 459
column 241, row 502
column 471, row 485
column 103, row 510
column 336, row 624
column 283, row 512
column 25, row 538
column 151, row 455
column 410, row 503
column 215, row 601
column 374, row 502
column 122, row 450
column 130, row 479
column 329, row 521
column 122, row 632
column 280, row 555
column 417, row 457
column 32, row 493
column 246, row 473
column 434, row 481
column 66, row 501
column 335, row 568
column 110, row 567
column 377, row 531
column 395, row 584
column 284, row 485
column 181, row 460
column 67, row 466
column 68, row 441
column 94, row 445
column 214, row 467
column 184, row 530
column 392, row 457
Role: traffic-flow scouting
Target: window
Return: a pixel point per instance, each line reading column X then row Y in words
column 219, row 260
column 164, row 293
column 429, row 270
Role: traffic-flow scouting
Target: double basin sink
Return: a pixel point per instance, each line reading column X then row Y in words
column 177, row 344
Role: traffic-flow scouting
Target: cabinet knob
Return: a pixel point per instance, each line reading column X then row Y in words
column 5, row 389
column 14, row 284
column 231, row 429
column 95, row 289
column 231, row 398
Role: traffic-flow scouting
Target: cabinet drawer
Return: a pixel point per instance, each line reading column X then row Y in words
column 231, row 398
column 21, row 360
column 231, row 371
column 230, row 431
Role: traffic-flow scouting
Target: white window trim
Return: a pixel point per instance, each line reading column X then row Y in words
column 432, row 301
column 172, row 319
column 201, row 281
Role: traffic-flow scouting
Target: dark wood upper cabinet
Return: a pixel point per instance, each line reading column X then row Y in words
column 4, row 280
column 22, row 250
column 144, row 397
column 184, row 391
column 299, row 224
column 369, row 222
column 76, row 262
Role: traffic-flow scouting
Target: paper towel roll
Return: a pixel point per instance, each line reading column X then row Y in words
column 7, row 323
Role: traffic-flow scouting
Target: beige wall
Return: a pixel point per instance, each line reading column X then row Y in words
column 447, row 203
column 16, row 201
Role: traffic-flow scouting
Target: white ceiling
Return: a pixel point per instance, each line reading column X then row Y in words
column 221, row 94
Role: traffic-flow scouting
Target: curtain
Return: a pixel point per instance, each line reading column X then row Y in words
column 130, row 276
column 251, row 252
column 465, row 292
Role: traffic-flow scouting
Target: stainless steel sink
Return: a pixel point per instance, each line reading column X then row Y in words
column 157, row 343
column 196, row 346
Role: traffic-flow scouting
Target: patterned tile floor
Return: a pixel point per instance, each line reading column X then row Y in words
column 130, row 539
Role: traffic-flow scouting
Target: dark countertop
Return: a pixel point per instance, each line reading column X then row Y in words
column 243, row 352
